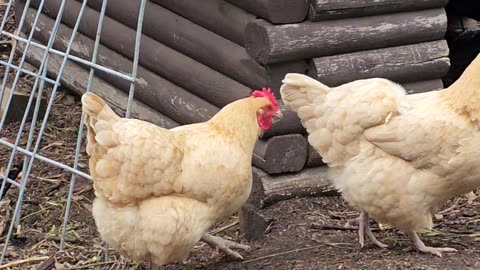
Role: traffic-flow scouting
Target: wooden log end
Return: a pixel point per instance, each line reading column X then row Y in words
column 257, row 41
column 279, row 154
column 18, row 106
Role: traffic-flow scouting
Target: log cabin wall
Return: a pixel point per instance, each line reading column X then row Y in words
column 197, row 56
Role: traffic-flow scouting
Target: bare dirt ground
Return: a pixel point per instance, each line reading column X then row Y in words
column 306, row 233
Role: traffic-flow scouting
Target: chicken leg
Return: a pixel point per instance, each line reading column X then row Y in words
column 224, row 245
column 420, row 246
column 364, row 228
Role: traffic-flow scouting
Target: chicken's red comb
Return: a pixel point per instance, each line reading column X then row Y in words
column 266, row 92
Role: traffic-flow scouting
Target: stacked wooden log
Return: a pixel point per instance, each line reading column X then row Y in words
column 197, row 56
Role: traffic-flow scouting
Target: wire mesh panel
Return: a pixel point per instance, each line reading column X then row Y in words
column 42, row 135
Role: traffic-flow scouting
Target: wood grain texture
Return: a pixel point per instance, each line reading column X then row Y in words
column 75, row 78
column 169, row 99
column 189, row 39
column 268, row 43
column 279, row 154
column 218, row 16
column 310, row 182
column 408, row 63
column 339, row 9
column 176, row 67
column 275, row 11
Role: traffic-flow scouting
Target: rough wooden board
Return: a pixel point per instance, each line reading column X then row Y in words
column 176, row 67
column 423, row 86
column 288, row 124
column 252, row 224
column 190, row 39
column 18, row 106
column 338, row 9
column 275, row 11
column 218, row 16
column 279, row 154
column 269, row 43
column 75, row 78
column 171, row 100
column 270, row 189
column 408, row 63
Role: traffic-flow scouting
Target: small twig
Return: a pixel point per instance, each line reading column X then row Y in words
column 29, row 260
column 221, row 229
column 90, row 265
column 282, row 253
column 336, row 227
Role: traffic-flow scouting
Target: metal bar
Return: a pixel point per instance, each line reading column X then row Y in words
column 44, row 123
column 136, row 56
column 81, row 128
column 46, row 160
column 28, row 72
column 74, row 58
column 22, row 60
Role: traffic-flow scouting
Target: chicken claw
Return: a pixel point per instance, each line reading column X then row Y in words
column 224, row 245
column 364, row 228
column 420, row 246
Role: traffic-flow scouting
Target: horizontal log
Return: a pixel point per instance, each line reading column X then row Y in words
column 408, row 63
column 269, row 43
column 169, row 99
column 339, row 9
column 178, row 68
column 278, row 154
column 313, row 159
column 275, row 11
column 75, row 78
column 268, row 189
column 218, row 16
column 288, row 124
column 423, row 86
column 190, row 39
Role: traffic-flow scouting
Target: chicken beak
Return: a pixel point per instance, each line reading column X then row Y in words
column 277, row 116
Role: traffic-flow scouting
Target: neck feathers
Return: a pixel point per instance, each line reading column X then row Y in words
column 464, row 94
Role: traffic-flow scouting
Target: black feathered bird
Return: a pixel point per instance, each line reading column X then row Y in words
column 13, row 175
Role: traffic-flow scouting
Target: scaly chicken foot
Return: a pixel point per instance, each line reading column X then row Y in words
column 420, row 246
column 224, row 245
column 364, row 228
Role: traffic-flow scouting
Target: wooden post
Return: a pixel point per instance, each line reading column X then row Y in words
column 275, row 11
column 75, row 78
column 339, row 9
column 218, row 16
column 269, row 43
column 178, row 68
column 278, row 154
column 309, row 182
column 171, row 100
column 183, row 36
column 408, row 63
column 253, row 225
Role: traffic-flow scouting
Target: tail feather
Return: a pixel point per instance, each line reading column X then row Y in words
column 299, row 90
column 99, row 119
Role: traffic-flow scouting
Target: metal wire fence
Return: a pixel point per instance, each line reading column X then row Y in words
column 14, row 68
